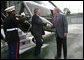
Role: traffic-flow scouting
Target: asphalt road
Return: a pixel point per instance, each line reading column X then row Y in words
column 75, row 41
column 74, row 45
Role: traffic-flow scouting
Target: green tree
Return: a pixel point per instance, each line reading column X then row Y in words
column 66, row 11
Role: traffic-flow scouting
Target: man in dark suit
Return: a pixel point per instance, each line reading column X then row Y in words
column 61, row 27
column 37, row 31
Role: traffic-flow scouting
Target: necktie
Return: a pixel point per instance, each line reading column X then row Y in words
column 56, row 19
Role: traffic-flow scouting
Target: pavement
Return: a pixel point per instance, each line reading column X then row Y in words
column 75, row 41
column 74, row 45
column 48, row 50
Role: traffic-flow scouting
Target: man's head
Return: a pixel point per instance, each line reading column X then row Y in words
column 37, row 11
column 10, row 10
column 55, row 11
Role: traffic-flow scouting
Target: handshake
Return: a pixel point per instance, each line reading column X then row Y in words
column 49, row 25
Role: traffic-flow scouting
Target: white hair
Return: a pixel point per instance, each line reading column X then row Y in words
column 57, row 9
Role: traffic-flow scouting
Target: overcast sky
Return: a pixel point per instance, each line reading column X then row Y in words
column 74, row 6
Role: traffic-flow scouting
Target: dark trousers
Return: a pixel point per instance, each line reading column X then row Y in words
column 61, row 42
column 13, row 48
column 39, row 43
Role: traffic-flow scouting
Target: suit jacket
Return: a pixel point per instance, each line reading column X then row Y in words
column 62, row 25
column 37, row 25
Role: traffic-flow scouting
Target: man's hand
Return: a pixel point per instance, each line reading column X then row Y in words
column 65, row 34
column 17, row 18
column 49, row 25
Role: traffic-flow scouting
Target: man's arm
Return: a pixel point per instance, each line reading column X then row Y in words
column 37, row 20
column 18, row 20
column 65, row 25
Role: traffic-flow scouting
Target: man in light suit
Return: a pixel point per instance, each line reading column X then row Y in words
column 61, row 27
